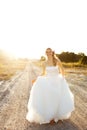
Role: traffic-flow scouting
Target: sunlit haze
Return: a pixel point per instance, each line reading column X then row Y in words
column 28, row 27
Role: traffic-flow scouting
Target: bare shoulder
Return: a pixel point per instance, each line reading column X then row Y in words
column 58, row 61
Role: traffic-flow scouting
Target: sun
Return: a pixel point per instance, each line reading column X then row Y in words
column 22, row 51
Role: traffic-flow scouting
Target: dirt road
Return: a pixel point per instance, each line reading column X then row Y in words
column 13, row 105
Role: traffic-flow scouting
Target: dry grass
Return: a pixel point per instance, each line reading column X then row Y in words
column 74, row 64
column 9, row 68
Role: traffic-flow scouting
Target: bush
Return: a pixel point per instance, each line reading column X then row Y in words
column 84, row 60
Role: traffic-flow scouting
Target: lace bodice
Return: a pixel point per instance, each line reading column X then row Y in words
column 52, row 70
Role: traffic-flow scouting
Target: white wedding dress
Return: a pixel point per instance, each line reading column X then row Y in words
column 50, row 98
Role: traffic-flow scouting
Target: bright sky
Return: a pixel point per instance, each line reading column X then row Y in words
column 28, row 27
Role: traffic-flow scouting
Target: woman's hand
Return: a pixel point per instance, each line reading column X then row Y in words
column 33, row 81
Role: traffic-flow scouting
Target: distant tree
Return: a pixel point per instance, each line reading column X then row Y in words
column 81, row 54
column 83, row 60
column 70, row 56
column 42, row 58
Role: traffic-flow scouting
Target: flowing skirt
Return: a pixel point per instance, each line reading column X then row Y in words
column 50, row 99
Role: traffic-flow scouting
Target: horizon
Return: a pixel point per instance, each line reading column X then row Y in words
column 9, row 53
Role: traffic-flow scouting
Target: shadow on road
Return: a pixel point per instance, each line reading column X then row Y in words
column 65, row 125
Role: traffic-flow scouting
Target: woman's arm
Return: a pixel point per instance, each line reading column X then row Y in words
column 43, row 68
column 60, row 66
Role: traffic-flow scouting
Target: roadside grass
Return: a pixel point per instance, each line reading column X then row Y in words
column 74, row 64
column 9, row 68
column 65, row 65
column 76, row 67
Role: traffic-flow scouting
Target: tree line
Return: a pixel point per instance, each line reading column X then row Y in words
column 67, row 57
column 71, row 57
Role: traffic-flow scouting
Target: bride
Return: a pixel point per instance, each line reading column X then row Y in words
column 50, row 97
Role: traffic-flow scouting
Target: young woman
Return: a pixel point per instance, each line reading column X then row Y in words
column 50, row 98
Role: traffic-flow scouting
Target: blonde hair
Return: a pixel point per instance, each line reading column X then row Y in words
column 54, row 59
column 54, row 56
